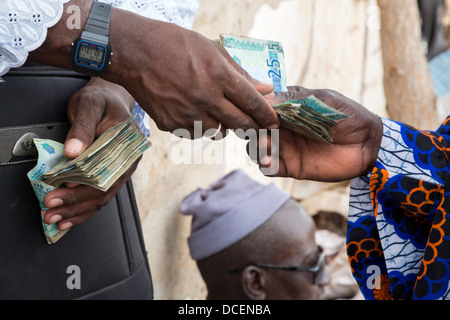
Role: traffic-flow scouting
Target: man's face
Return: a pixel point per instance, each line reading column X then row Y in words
column 300, row 250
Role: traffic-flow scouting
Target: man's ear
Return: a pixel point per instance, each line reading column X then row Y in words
column 254, row 283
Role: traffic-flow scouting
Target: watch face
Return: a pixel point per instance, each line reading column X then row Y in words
column 90, row 55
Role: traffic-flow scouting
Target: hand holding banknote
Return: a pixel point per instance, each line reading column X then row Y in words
column 92, row 110
column 354, row 149
column 264, row 60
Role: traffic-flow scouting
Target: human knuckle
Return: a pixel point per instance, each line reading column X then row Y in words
column 101, row 202
column 253, row 103
column 245, row 125
column 72, row 197
column 163, row 124
column 88, row 98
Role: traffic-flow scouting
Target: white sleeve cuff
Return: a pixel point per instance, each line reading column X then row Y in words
column 23, row 28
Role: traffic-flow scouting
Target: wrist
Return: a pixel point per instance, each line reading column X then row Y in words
column 57, row 48
column 373, row 144
column 137, row 44
column 126, row 28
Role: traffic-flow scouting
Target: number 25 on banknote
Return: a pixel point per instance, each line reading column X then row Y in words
column 275, row 72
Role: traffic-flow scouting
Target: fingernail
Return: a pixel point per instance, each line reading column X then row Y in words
column 73, row 146
column 54, row 219
column 65, row 225
column 55, row 202
column 71, row 185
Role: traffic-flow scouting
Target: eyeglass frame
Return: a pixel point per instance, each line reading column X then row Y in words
column 320, row 265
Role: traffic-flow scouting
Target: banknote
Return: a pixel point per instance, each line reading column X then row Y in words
column 104, row 161
column 107, row 159
column 50, row 154
column 309, row 117
column 264, row 61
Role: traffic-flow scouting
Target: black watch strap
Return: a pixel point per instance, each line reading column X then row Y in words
column 97, row 25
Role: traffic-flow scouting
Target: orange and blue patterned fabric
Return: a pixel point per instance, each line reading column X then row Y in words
column 398, row 238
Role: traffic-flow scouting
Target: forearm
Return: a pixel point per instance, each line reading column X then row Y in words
column 124, row 28
column 56, row 49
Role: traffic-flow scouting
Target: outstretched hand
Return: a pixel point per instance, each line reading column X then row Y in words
column 354, row 151
column 176, row 75
column 179, row 77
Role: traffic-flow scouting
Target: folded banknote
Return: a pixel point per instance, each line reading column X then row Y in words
column 264, row 61
column 309, row 117
column 106, row 160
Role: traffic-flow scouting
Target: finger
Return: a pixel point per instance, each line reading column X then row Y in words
column 83, row 207
column 241, row 93
column 294, row 92
column 71, row 216
column 260, row 148
column 261, row 87
column 71, row 196
column 217, row 130
column 205, row 128
column 232, row 117
column 71, row 185
column 69, row 203
column 265, row 152
column 85, row 119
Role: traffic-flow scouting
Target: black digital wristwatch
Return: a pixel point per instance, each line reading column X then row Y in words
column 91, row 52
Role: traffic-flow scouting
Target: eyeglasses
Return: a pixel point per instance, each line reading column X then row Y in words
column 316, row 270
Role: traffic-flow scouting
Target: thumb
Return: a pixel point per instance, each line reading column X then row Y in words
column 262, row 87
column 81, row 135
column 74, row 147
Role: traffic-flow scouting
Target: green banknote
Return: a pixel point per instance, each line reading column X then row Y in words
column 310, row 117
column 50, row 154
column 107, row 159
column 264, row 61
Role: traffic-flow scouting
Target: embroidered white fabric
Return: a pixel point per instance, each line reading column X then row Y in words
column 24, row 23
column 180, row 12
column 23, row 28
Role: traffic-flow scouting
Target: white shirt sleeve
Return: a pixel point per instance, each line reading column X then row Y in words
column 179, row 12
column 23, row 28
column 24, row 23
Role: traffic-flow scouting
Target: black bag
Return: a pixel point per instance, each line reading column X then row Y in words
column 105, row 255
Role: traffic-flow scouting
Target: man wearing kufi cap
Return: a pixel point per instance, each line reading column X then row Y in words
column 252, row 241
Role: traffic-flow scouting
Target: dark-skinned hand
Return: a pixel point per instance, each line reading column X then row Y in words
column 92, row 110
column 354, row 151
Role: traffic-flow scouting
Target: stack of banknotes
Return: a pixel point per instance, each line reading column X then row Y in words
column 264, row 61
column 113, row 153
